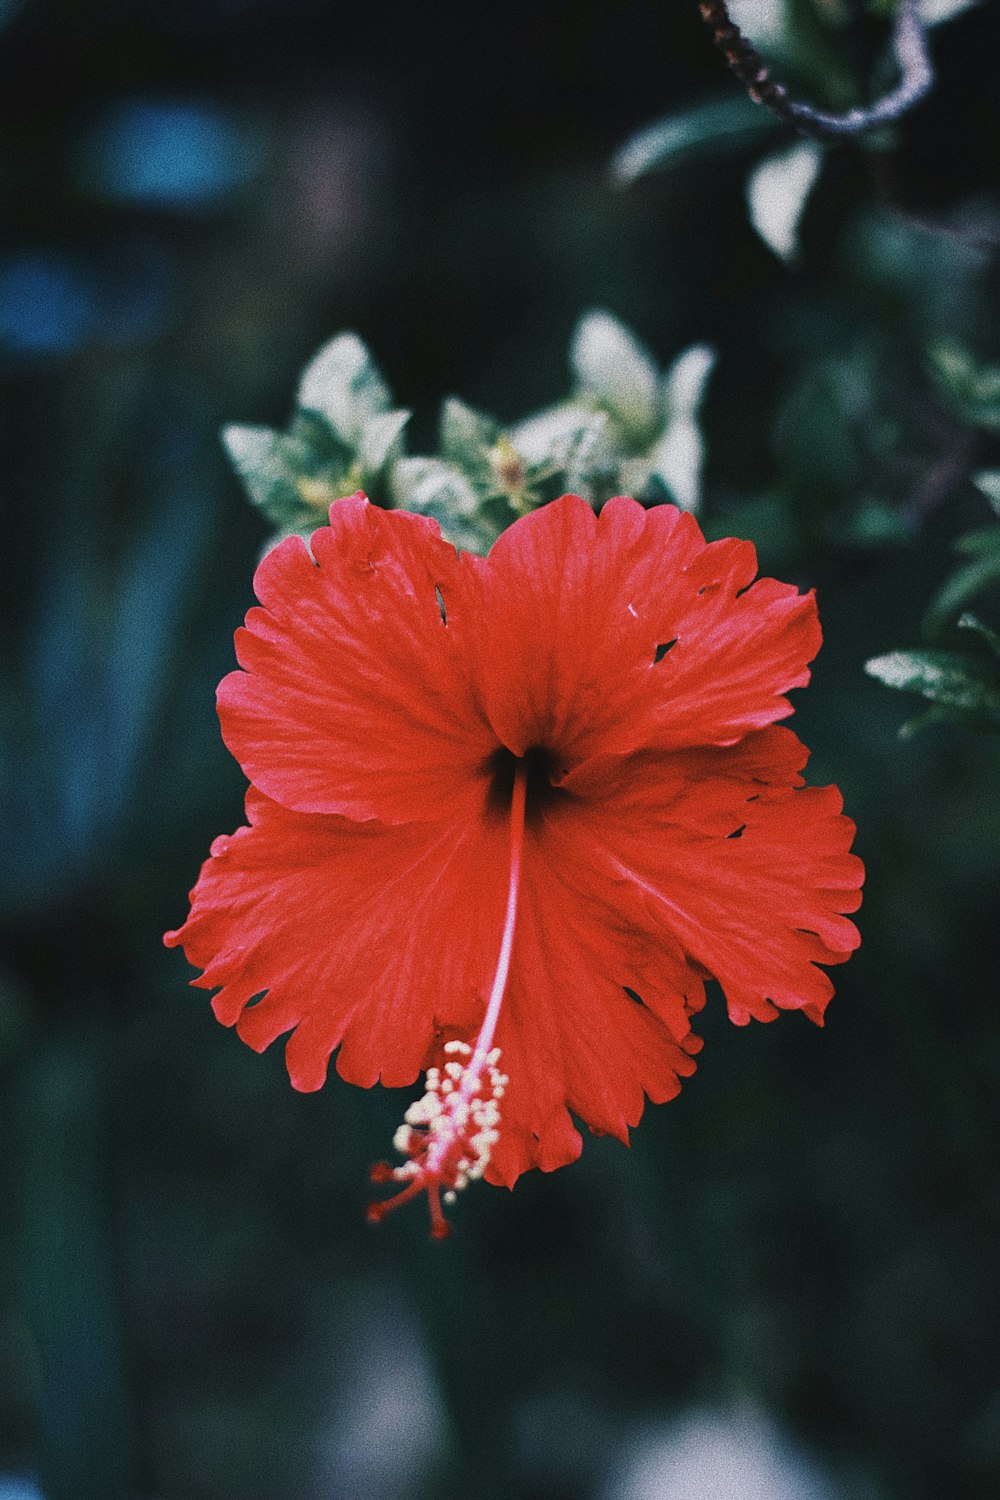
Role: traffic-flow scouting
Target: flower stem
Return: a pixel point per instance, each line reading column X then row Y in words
column 909, row 42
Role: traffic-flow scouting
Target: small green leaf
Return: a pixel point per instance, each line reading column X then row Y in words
column 962, row 586
column 988, row 481
column 928, row 719
column 948, row 678
column 674, row 463
column 685, row 381
column 380, row 443
column 613, row 367
column 343, row 385
column 437, row 489
column 566, row 439
column 972, row 622
column 728, row 125
column 985, row 543
column 259, row 456
column 972, row 387
column 777, row 192
column 466, row 434
column 433, row 487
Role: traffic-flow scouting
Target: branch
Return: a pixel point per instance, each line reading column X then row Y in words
column 909, row 43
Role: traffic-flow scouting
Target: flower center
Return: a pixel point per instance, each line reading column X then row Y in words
column 448, row 1134
column 539, row 767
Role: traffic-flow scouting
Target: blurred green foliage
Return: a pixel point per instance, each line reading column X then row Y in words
column 626, row 428
column 191, row 1307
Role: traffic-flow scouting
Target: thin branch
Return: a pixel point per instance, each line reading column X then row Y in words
column 909, row 42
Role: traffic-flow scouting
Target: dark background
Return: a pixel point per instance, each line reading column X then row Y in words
column 793, row 1274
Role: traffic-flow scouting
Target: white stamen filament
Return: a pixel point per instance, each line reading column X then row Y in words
column 448, row 1135
column 472, row 1073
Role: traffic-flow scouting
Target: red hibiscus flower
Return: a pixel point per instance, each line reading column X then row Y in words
column 510, row 813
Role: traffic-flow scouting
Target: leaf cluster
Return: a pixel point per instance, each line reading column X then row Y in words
column 964, row 687
column 626, row 426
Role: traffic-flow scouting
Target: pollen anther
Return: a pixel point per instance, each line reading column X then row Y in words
column 446, row 1144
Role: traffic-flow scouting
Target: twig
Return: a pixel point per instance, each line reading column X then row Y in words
column 909, row 41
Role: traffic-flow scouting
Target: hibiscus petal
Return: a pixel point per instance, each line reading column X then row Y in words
column 737, row 648
column 701, row 787
column 586, row 608
column 757, row 907
column 569, row 621
column 368, row 938
column 353, row 698
column 571, row 1036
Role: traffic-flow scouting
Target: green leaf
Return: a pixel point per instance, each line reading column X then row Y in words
column 948, row 678
column 566, row 439
column 433, row 487
column 671, row 468
column 674, row 464
column 466, row 434
column 777, row 192
column 988, row 481
column 343, row 385
column 259, row 455
column 972, row 387
column 728, row 125
column 612, row 366
column 380, row 443
column 685, row 381
column 960, row 588
column 928, row 719
column 438, row 489
column 984, row 543
column 992, row 639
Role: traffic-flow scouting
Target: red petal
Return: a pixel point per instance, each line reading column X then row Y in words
column 570, row 621
column 571, row 1037
column 702, row 788
column 354, row 697
column 737, row 650
column 751, row 879
column 362, row 936
column 581, row 605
